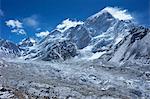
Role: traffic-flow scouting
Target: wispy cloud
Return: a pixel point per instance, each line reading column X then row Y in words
column 42, row 34
column 1, row 12
column 31, row 21
column 38, row 29
column 16, row 26
column 19, row 31
column 118, row 13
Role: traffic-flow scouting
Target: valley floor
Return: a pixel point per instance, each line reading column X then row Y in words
column 72, row 80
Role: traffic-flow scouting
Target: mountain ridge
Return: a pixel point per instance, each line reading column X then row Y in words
column 100, row 33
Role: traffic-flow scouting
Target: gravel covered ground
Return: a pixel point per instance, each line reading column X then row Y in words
column 72, row 80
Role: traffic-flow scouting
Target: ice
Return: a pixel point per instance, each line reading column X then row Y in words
column 6, row 95
column 96, row 55
column 118, row 40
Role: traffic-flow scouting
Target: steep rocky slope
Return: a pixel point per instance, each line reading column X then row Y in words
column 27, row 42
column 133, row 49
column 9, row 49
column 98, row 32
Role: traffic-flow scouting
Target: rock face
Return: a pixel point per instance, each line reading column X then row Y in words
column 8, row 49
column 135, row 49
column 112, row 36
column 99, row 24
column 62, row 50
column 26, row 45
column 28, row 42
column 100, row 31
column 140, row 45
column 79, row 35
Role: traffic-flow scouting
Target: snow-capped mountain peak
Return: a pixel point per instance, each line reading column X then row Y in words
column 8, row 49
column 66, row 24
column 27, row 42
column 116, row 12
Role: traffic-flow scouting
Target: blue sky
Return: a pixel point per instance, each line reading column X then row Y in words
column 44, row 15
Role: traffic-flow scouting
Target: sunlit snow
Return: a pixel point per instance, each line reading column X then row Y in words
column 66, row 24
column 116, row 12
column 42, row 34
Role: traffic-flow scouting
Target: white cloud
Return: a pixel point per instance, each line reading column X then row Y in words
column 118, row 13
column 38, row 29
column 31, row 21
column 16, row 26
column 1, row 12
column 19, row 31
column 42, row 34
column 66, row 24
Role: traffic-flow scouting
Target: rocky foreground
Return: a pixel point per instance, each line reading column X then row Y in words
column 72, row 80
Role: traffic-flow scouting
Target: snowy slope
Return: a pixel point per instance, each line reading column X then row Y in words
column 66, row 24
column 136, row 48
column 27, row 42
column 8, row 49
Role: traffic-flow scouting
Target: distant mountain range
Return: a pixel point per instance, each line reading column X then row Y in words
column 101, row 36
column 9, row 49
